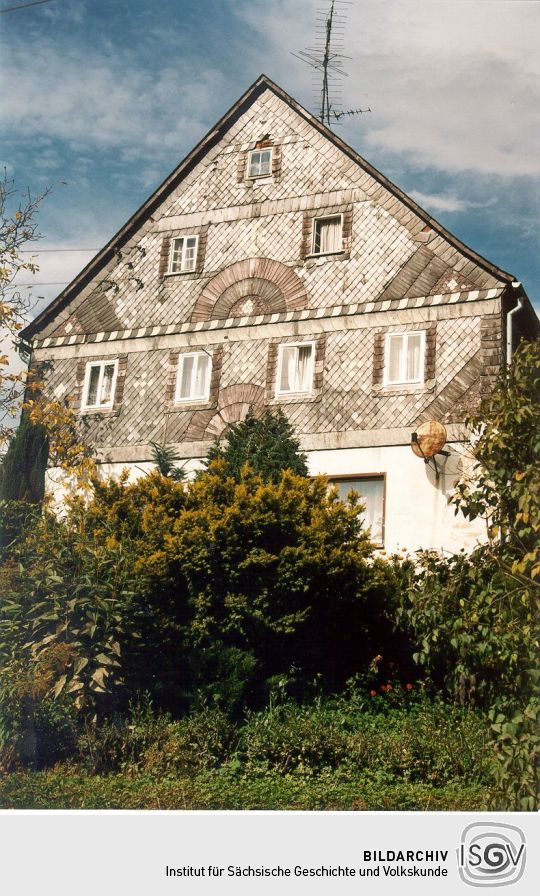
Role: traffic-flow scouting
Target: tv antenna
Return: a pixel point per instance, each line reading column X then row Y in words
column 327, row 58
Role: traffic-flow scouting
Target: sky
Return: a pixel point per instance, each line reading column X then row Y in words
column 101, row 100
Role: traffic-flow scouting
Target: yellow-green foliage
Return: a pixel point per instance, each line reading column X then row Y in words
column 280, row 571
column 202, row 589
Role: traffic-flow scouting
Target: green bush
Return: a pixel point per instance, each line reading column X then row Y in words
column 475, row 638
column 474, row 617
column 120, row 741
column 22, row 469
column 71, row 590
column 211, row 588
column 203, row 740
column 517, row 745
column 429, row 741
column 293, row 738
column 142, row 740
column 35, row 728
column 16, row 518
column 332, row 754
column 68, row 788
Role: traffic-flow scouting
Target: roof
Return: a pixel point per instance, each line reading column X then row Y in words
column 262, row 84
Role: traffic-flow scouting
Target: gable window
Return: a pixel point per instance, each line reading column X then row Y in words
column 193, row 379
column 404, row 358
column 99, row 384
column 295, row 368
column 327, row 235
column 370, row 490
column 183, row 254
column 260, row 162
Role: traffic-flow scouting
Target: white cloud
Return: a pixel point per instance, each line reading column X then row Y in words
column 446, row 202
column 439, row 203
column 55, row 269
column 107, row 102
column 453, row 84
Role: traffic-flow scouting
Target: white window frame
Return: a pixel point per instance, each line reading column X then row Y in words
column 191, row 398
column 281, row 348
column 183, row 269
column 102, row 365
column 321, row 220
column 250, row 157
column 403, row 380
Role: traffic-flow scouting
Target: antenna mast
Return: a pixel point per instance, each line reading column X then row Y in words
column 326, row 58
column 328, row 55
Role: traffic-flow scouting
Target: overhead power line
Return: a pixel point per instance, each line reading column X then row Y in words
column 40, row 251
column 25, row 5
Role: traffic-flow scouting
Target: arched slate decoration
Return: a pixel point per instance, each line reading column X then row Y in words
column 277, row 288
column 233, row 405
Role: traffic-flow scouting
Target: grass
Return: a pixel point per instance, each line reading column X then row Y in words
column 404, row 752
column 68, row 788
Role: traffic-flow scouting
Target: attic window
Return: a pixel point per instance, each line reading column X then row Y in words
column 327, row 235
column 183, row 254
column 99, row 385
column 260, row 162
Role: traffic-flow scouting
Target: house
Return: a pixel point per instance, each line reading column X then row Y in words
column 276, row 267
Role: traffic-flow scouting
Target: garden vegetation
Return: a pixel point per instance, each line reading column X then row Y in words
column 235, row 641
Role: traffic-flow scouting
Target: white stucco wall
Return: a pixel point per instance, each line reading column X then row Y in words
column 417, row 513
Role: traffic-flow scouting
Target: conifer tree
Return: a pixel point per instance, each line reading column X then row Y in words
column 22, row 473
column 267, row 442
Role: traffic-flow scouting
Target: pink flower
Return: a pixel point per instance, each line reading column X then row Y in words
column 373, row 693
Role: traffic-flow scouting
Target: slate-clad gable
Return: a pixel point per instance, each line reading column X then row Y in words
column 256, row 284
column 394, row 252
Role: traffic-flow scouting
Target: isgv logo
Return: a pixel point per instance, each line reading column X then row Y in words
column 491, row 854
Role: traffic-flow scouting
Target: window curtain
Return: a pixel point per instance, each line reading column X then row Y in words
column 371, row 492
column 189, row 255
column 330, row 235
column 185, row 381
column 199, row 390
column 295, row 368
column 396, row 354
column 304, row 355
column 288, row 369
column 413, row 357
column 92, row 397
column 176, row 262
column 106, row 386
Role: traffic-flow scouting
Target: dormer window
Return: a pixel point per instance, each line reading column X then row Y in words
column 260, row 163
column 183, row 254
column 327, row 235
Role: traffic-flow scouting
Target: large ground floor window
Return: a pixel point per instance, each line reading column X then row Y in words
column 371, row 490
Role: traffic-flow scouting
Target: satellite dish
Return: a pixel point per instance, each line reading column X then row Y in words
column 428, row 439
